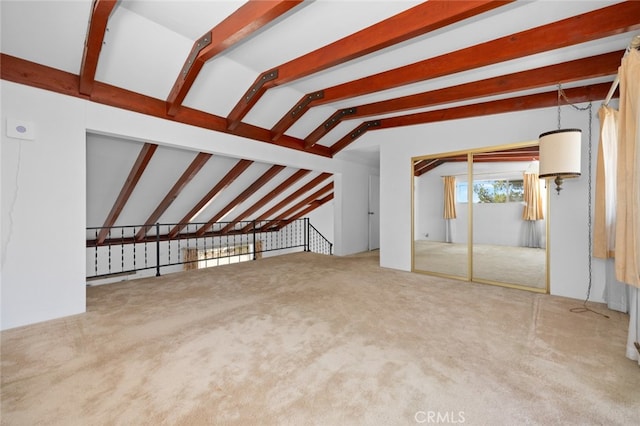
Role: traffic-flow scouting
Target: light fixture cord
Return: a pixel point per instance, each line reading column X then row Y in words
column 588, row 108
column 560, row 93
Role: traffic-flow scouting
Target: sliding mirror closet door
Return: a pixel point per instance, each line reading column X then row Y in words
column 440, row 221
column 509, row 224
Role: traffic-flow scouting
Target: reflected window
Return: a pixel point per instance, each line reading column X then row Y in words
column 492, row 191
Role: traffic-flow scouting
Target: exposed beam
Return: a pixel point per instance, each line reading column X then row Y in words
column 35, row 75
column 527, row 153
column 541, row 100
column 604, row 22
column 227, row 180
column 580, row 69
column 426, row 166
column 173, row 193
column 259, row 183
column 312, row 206
column 144, row 157
column 264, row 200
column 413, row 22
column 285, row 215
column 242, row 23
column 93, row 44
column 302, row 190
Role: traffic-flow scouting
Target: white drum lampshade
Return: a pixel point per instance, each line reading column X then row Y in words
column 560, row 152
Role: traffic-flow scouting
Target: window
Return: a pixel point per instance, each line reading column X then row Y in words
column 492, row 191
column 224, row 255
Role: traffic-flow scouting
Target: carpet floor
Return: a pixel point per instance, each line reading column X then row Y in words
column 311, row 339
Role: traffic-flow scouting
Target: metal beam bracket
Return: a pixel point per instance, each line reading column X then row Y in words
column 200, row 44
column 337, row 117
column 306, row 101
column 363, row 128
column 267, row 76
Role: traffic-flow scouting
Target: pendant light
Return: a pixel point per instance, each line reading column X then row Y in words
column 560, row 152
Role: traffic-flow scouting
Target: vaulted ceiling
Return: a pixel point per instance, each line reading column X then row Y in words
column 313, row 76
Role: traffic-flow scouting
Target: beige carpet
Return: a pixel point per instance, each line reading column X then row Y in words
column 311, row 339
column 511, row 265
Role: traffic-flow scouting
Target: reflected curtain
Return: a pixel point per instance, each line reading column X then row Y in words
column 449, row 213
column 532, row 211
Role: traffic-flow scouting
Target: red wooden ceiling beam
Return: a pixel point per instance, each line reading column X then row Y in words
column 173, row 193
column 144, row 157
column 516, row 154
column 245, row 21
column 312, row 206
column 302, row 190
column 259, row 183
column 93, row 44
column 418, row 20
column 580, row 69
column 423, row 167
column 227, row 180
column 35, row 75
column 608, row 21
column 264, row 200
column 605, row 22
column 284, row 216
column 519, row 103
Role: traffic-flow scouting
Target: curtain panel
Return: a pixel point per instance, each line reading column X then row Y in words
column 189, row 255
column 449, row 213
column 605, row 198
column 627, row 247
column 449, row 197
column 532, row 200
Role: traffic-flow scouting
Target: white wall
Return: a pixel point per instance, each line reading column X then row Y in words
column 568, row 219
column 44, row 199
column 43, row 208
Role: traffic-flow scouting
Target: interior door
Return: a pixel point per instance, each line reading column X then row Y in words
column 374, row 209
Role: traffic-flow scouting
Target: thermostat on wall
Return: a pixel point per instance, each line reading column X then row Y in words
column 20, row 129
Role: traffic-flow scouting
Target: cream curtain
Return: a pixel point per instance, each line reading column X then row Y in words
column 620, row 229
column 189, row 255
column 605, row 197
column 532, row 200
column 532, row 211
column 627, row 248
column 449, row 213
column 604, row 229
column 449, row 197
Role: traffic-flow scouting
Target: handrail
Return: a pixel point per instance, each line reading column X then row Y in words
column 318, row 234
column 124, row 252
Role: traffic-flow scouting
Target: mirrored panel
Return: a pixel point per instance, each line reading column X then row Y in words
column 440, row 240
column 508, row 203
column 481, row 216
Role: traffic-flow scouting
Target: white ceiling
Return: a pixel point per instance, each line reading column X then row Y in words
column 147, row 43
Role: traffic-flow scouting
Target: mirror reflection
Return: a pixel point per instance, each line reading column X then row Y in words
column 504, row 240
column 440, row 222
column 509, row 235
